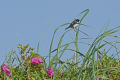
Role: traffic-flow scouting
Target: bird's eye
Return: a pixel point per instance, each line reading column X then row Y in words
column 77, row 20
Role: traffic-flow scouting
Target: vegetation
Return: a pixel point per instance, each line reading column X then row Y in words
column 97, row 63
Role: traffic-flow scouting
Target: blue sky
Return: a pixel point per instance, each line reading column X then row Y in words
column 31, row 21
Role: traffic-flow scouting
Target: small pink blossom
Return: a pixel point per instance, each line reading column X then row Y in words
column 62, row 75
column 99, row 57
column 98, row 79
column 36, row 60
column 5, row 69
column 11, row 79
column 50, row 72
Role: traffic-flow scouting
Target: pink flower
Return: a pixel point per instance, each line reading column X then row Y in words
column 99, row 57
column 62, row 75
column 5, row 69
column 4, row 66
column 11, row 79
column 36, row 60
column 50, row 72
column 98, row 79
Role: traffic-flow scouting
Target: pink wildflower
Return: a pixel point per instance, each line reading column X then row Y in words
column 99, row 57
column 5, row 69
column 50, row 72
column 98, row 79
column 62, row 75
column 36, row 60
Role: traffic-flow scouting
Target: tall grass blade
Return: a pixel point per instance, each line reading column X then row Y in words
column 85, row 14
column 76, row 47
column 38, row 47
column 56, row 58
column 50, row 49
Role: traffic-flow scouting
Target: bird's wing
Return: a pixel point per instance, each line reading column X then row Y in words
column 71, row 25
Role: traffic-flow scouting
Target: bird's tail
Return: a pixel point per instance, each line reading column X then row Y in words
column 67, row 28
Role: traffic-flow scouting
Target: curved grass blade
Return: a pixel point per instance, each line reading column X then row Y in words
column 85, row 14
column 56, row 58
column 92, row 50
column 66, row 46
column 76, row 47
column 81, row 54
column 84, row 33
column 65, row 24
column 50, row 49
column 38, row 47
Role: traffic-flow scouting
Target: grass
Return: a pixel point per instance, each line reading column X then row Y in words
column 97, row 63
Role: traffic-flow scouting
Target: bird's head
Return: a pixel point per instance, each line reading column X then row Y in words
column 77, row 20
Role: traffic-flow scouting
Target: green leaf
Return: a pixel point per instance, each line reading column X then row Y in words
column 85, row 14
column 65, row 24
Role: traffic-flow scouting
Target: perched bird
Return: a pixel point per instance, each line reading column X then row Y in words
column 74, row 24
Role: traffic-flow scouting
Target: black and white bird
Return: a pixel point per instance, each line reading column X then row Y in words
column 74, row 24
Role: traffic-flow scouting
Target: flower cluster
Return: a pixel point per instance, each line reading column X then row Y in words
column 50, row 72
column 36, row 60
column 5, row 69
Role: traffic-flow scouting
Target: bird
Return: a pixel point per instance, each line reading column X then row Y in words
column 74, row 24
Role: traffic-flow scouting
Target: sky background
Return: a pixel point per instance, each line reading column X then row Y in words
column 33, row 21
